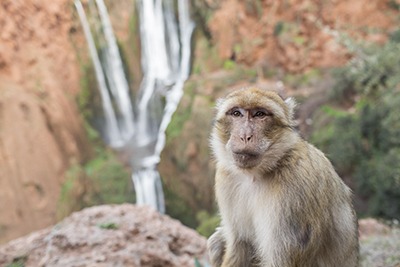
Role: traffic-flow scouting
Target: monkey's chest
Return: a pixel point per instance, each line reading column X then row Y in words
column 247, row 209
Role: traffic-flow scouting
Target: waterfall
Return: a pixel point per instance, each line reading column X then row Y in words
column 165, row 63
column 111, row 80
column 140, row 128
column 112, row 133
column 116, row 76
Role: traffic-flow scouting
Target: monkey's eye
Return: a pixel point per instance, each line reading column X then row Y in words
column 260, row 114
column 236, row 113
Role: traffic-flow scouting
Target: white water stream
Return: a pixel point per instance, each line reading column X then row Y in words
column 165, row 43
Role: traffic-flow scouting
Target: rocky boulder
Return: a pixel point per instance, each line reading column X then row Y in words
column 111, row 235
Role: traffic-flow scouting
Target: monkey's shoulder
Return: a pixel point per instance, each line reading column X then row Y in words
column 303, row 156
column 308, row 166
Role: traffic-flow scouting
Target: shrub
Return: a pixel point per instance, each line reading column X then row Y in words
column 103, row 180
column 364, row 141
column 208, row 223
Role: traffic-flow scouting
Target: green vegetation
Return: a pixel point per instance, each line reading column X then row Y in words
column 289, row 32
column 102, row 180
column 178, row 208
column 207, row 223
column 207, row 59
column 108, row 226
column 229, row 64
column 174, row 129
column 307, row 78
column 18, row 262
column 86, row 96
column 363, row 141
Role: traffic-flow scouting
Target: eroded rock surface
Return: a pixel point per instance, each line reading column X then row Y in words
column 41, row 132
column 112, row 235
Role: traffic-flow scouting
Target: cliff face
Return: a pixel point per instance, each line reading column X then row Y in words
column 41, row 132
column 296, row 35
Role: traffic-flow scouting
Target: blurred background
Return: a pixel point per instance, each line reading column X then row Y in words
column 76, row 131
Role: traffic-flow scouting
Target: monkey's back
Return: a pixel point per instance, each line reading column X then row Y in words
column 322, row 220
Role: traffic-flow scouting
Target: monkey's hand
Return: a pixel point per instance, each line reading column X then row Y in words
column 216, row 247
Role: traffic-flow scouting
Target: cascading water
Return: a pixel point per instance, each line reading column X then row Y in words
column 165, row 42
column 111, row 79
column 165, row 63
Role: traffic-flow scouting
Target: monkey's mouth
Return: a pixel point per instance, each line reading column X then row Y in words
column 245, row 159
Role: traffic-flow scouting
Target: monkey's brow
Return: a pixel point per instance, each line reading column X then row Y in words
column 249, row 107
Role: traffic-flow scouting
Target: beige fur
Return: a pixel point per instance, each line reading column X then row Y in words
column 288, row 208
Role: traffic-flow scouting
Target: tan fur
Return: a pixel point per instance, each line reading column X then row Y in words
column 286, row 207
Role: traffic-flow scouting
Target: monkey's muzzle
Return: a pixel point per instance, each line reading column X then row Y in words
column 245, row 159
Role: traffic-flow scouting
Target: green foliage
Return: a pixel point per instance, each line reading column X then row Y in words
column 206, row 58
column 289, row 32
column 175, row 127
column 279, row 28
column 207, row 223
column 343, row 149
column 18, row 262
column 334, row 112
column 112, row 178
column 363, row 142
column 254, row 8
column 108, row 226
column 233, row 76
column 302, row 79
column 125, row 63
column 229, row 64
column 103, row 180
column 176, row 207
column 87, row 99
column 378, row 178
column 370, row 74
column 394, row 5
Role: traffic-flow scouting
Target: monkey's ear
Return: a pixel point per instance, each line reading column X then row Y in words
column 291, row 104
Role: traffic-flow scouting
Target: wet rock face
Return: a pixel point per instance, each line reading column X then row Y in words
column 113, row 235
column 41, row 133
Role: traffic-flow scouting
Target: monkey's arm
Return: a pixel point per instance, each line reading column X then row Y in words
column 238, row 253
column 305, row 221
column 216, row 247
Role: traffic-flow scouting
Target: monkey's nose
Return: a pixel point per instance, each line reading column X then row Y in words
column 246, row 138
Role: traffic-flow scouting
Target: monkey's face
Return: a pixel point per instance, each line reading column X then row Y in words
column 247, row 141
column 248, row 125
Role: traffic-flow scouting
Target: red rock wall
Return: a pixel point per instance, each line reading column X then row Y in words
column 249, row 30
column 41, row 132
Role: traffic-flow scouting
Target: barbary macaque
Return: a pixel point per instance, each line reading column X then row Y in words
column 281, row 202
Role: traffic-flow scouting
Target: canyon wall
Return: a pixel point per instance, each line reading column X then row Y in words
column 41, row 132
